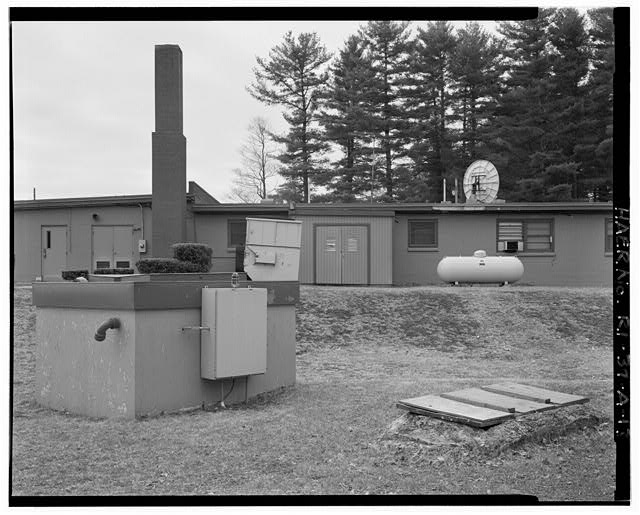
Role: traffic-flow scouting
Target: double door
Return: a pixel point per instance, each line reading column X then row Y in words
column 112, row 246
column 342, row 254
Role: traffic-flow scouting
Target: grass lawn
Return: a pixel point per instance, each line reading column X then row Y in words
column 337, row 431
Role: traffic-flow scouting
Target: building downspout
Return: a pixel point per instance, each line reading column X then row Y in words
column 141, row 221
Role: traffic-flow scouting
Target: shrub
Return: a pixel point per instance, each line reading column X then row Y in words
column 166, row 266
column 70, row 275
column 113, row 271
column 196, row 253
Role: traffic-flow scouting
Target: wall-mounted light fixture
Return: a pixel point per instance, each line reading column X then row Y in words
column 95, row 216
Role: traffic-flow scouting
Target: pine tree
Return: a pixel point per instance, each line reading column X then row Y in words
column 569, row 66
column 476, row 85
column 345, row 122
column 431, row 102
column 388, row 51
column 293, row 77
column 594, row 151
column 518, row 134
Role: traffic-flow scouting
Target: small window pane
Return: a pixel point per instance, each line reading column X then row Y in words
column 103, row 264
column 48, row 239
column 122, row 264
column 237, row 230
column 423, row 233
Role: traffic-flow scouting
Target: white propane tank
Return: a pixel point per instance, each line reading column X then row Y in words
column 480, row 268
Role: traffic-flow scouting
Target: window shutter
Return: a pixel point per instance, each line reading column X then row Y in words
column 539, row 236
column 509, row 231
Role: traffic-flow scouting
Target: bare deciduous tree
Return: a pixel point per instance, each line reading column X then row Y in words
column 293, row 76
column 255, row 180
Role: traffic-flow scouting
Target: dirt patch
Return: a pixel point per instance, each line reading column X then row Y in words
column 434, row 439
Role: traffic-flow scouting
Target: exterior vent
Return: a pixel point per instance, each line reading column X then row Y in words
column 510, row 246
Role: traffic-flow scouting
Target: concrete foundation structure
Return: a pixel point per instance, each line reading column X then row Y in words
column 149, row 365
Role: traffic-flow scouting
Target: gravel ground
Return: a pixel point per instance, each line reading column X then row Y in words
column 337, row 431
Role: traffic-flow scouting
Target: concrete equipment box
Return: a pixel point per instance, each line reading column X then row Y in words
column 236, row 343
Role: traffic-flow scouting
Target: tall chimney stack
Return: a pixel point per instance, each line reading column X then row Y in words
column 169, row 154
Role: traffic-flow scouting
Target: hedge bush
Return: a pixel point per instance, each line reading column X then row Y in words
column 197, row 253
column 166, row 266
column 113, row 271
column 71, row 275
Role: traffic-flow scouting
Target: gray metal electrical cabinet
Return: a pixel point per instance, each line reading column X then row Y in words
column 236, row 342
column 272, row 249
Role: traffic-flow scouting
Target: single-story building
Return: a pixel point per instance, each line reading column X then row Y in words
column 361, row 244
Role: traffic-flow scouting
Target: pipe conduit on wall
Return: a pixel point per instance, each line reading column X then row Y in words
column 101, row 332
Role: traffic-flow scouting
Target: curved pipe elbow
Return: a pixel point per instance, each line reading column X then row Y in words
column 101, row 332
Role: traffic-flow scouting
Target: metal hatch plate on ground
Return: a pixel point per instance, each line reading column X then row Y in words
column 489, row 405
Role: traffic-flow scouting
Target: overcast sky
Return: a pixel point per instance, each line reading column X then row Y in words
column 83, row 100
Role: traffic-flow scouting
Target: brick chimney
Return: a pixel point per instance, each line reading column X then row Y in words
column 169, row 154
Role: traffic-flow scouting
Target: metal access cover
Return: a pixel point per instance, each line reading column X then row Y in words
column 489, row 405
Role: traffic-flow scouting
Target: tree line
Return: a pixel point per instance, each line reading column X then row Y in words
column 396, row 111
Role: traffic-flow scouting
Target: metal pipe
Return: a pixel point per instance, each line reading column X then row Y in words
column 101, row 332
column 444, row 189
column 373, row 163
column 142, row 221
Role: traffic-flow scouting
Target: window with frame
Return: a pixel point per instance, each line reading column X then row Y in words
column 608, row 235
column 525, row 236
column 423, row 233
column 236, row 233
